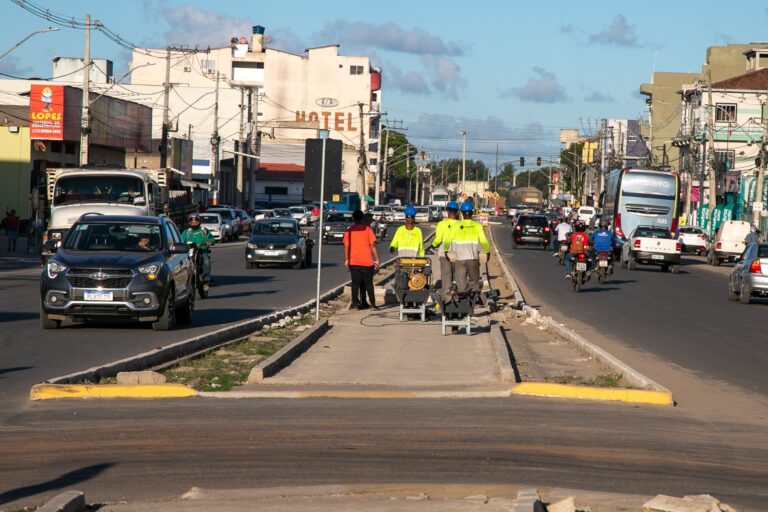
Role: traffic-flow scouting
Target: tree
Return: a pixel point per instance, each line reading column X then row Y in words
column 396, row 147
column 449, row 171
column 572, row 178
column 537, row 178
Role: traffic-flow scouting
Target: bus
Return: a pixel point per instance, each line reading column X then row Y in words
column 640, row 197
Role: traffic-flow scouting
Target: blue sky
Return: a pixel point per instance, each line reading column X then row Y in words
column 504, row 70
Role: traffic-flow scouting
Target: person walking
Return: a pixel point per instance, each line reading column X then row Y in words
column 443, row 233
column 408, row 240
column 11, row 223
column 362, row 259
column 466, row 244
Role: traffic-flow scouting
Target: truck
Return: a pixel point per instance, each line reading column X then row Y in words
column 108, row 190
column 440, row 196
column 349, row 201
column 651, row 245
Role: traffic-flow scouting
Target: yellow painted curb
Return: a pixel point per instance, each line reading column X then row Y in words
column 639, row 396
column 50, row 391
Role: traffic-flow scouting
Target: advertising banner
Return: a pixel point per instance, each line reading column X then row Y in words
column 46, row 112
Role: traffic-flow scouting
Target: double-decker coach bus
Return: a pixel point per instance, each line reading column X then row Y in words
column 640, row 197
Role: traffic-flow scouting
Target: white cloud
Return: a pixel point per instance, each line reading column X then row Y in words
column 389, row 36
column 446, row 75
column 197, row 27
column 543, row 88
column 618, row 33
column 598, row 97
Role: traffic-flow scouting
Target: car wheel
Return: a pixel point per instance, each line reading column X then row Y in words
column 45, row 320
column 745, row 296
column 675, row 269
column 631, row 263
column 732, row 295
column 184, row 313
column 165, row 321
column 250, row 265
column 716, row 261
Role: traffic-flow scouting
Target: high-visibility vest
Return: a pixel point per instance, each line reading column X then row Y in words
column 443, row 233
column 408, row 242
column 468, row 240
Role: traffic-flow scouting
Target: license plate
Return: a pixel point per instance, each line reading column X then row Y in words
column 657, row 256
column 602, row 263
column 271, row 253
column 97, row 295
column 339, row 235
column 582, row 267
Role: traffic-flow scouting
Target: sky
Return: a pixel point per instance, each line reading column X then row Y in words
column 511, row 73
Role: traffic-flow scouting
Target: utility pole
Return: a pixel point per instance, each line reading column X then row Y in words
column 362, row 164
column 383, row 169
column 711, row 151
column 85, row 119
column 603, row 152
column 463, row 160
column 408, row 169
column 496, row 175
column 757, row 206
column 166, row 96
column 241, row 149
column 215, row 144
column 254, row 145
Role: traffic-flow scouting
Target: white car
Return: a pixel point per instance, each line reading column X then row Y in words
column 398, row 214
column 436, row 212
column 389, row 214
column 651, row 245
column 214, row 223
column 693, row 239
column 422, row 214
column 729, row 242
column 300, row 214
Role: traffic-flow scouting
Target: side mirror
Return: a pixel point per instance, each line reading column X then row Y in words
column 180, row 248
column 50, row 247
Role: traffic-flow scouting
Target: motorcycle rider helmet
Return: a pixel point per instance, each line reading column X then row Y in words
column 604, row 224
column 580, row 226
column 410, row 211
column 192, row 217
column 466, row 206
column 452, row 205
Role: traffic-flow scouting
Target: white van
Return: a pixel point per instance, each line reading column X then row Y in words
column 728, row 242
column 585, row 214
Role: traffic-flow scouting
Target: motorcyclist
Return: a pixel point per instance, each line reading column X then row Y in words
column 561, row 231
column 203, row 240
column 579, row 243
column 408, row 240
column 604, row 240
column 381, row 225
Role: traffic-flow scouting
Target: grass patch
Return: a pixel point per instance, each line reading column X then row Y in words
column 227, row 367
column 609, row 380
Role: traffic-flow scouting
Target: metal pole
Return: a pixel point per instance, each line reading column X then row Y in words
column 166, row 99
column 85, row 114
column 320, row 231
column 757, row 206
column 463, row 161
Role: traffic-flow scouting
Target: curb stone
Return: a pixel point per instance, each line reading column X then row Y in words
column 69, row 501
column 288, row 353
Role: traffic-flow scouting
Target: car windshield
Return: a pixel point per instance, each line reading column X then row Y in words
column 298, row 209
column 653, row 233
column 340, row 217
column 692, row 231
column 114, row 236
column 762, row 251
column 274, row 228
column 209, row 219
column 282, row 212
column 91, row 189
column 533, row 221
column 422, row 209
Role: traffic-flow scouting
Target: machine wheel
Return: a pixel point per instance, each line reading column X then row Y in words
column 675, row 269
column 732, row 295
column 165, row 321
column 45, row 320
column 631, row 263
column 298, row 265
column 745, row 296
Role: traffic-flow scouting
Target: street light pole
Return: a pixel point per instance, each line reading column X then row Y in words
column 323, row 135
column 42, row 30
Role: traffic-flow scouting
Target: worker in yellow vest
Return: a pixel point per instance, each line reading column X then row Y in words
column 467, row 242
column 408, row 241
column 443, row 233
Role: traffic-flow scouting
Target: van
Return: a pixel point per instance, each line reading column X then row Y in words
column 728, row 242
column 585, row 214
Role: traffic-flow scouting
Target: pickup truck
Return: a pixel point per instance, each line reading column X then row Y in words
column 650, row 245
column 728, row 242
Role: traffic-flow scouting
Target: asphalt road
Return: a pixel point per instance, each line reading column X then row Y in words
column 685, row 319
column 29, row 355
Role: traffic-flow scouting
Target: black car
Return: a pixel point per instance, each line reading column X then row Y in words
column 335, row 224
column 531, row 229
column 278, row 240
column 132, row 267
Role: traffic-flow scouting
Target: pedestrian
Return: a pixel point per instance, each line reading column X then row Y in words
column 467, row 242
column 11, row 223
column 408, row 241
column 443, row 233
column 362, row 259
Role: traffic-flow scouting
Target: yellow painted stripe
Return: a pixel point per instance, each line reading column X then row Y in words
column 640, row 396
column 50, row 391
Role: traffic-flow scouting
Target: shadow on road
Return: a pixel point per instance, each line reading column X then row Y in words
column 14, row 369
column 239, row 294
column 65, row 480
column 599, row 289
column 15, row 316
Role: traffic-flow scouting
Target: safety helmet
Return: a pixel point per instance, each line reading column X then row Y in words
column 466, row 206
column 580, row 226
column 410, row 211
column 452, row 205
column 193, row 216
column 604, row 224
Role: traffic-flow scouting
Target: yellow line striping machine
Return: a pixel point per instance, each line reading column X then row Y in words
column 413, row 285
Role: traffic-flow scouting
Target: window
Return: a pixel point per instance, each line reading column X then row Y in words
column 724, row 160
column 55, row 146
column 207, row 64
column 276, row 191
column 355, row 70
column 725, row 113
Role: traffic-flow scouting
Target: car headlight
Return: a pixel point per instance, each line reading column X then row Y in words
column 251, row 246
column 327, row 228
column 54, row 269
column 292, row 246
column 149, row 271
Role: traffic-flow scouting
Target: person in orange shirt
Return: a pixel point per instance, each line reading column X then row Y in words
column 362, row 259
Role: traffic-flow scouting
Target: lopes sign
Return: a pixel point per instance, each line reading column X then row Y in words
column 46, row 112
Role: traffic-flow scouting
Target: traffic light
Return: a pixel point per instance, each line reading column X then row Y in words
column 522, row 161
column 538, row 161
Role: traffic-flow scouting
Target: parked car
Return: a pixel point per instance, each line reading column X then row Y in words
column 749, row 276
column 693, row 239
column 300, row 214
column 651, row 245
column 423, row 214
column 398, row 214
column 389, row 214
column 335, row 224
column 115, row 266
column 531, row 229
column 278, row 241
column 729, row 242
column 215, row 224
column 436, row 213
column 230, row 218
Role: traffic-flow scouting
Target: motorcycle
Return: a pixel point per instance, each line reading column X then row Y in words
column 202, row 280
column 381, row 230
column 580, row 271
column 604, row 266
column 562, row 250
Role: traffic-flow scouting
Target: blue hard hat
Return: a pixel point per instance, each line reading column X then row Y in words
column 466, row 206
column 452, row 205
column 410, row 211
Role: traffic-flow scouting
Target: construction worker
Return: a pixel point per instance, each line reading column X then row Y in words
column 443, row 233
column 408, row 241
column 467, row 242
